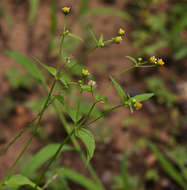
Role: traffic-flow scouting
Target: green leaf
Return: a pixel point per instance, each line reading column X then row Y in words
column 72, row 112
column 88, row 139
column 60, row 99
column 79, row 179
column 51, row 70
column 109, row 11
column 132, row 59
column 28, row 64
column 17, row 181
column 166, row 165
column 41, row 157
column 75, row 37
column 33, row 6
column 125, row 173
column 100, row 42
column 142, row 97
column 119, row 90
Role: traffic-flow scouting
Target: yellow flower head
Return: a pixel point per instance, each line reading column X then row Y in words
column 153, row 59
column 160, row 62
column 121, row 32
column 66, row 10
column 85, row 72
column 138, row 105
column 118, row 39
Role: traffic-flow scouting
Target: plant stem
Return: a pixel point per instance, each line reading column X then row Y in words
column 35, row 128
column 4, row 150
column 67, row 139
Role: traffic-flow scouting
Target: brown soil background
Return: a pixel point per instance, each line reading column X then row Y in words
column 33, row 40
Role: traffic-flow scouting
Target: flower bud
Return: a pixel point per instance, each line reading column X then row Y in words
column 91, row 83
column 117, row 39
column 121, row 32
column 66, row 10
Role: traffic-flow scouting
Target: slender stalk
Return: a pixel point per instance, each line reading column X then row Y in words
column 104, row 113
column 34, row 132
column 4, row 150
column 78, row 108
column 88, row 115
column 67, row 139
column 76, row 144
column 54, row 157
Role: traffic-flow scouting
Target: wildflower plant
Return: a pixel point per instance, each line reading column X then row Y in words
column 55, row 97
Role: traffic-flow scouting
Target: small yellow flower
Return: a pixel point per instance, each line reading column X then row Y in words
column 91, row 83
column 121, row 32
column 66, row 10
column 153, row 59
column 160, row 62
column 118, row 39
column 138, row 105
column 85, row 72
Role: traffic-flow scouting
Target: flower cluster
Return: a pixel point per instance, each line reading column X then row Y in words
column 118, row 39
column 156, row 61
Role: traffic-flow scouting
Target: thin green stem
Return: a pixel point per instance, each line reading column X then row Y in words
column 88, row 115
column 67, row 139
column 78, row 108
column 34, row 132
column 54, row 157
column 104, row 113
column 76, row 144
column 4, row 150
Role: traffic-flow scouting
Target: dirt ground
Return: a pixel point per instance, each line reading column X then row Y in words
column 33, row 39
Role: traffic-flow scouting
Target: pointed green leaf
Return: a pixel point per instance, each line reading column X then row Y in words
column 142, row 97
column 88, row 139
column 72, row 112
column 60, row 99
column 28, row 64
column 75, row 37
column 100, row 42
column 51, row 70
column 166, row 165
column 125, row 176
column 17, row 181
column 41, row 157
column 78, row 178
column 119, row 90
column 132, row 59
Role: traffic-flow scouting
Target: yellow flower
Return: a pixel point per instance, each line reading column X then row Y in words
column 118, row 39
column 138, row 105
column 85, row 72
column 153, row 59
column 66, row 10
column 160, row 62
column 121, row 32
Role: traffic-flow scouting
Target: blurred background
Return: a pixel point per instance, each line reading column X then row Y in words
column 152, row 27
